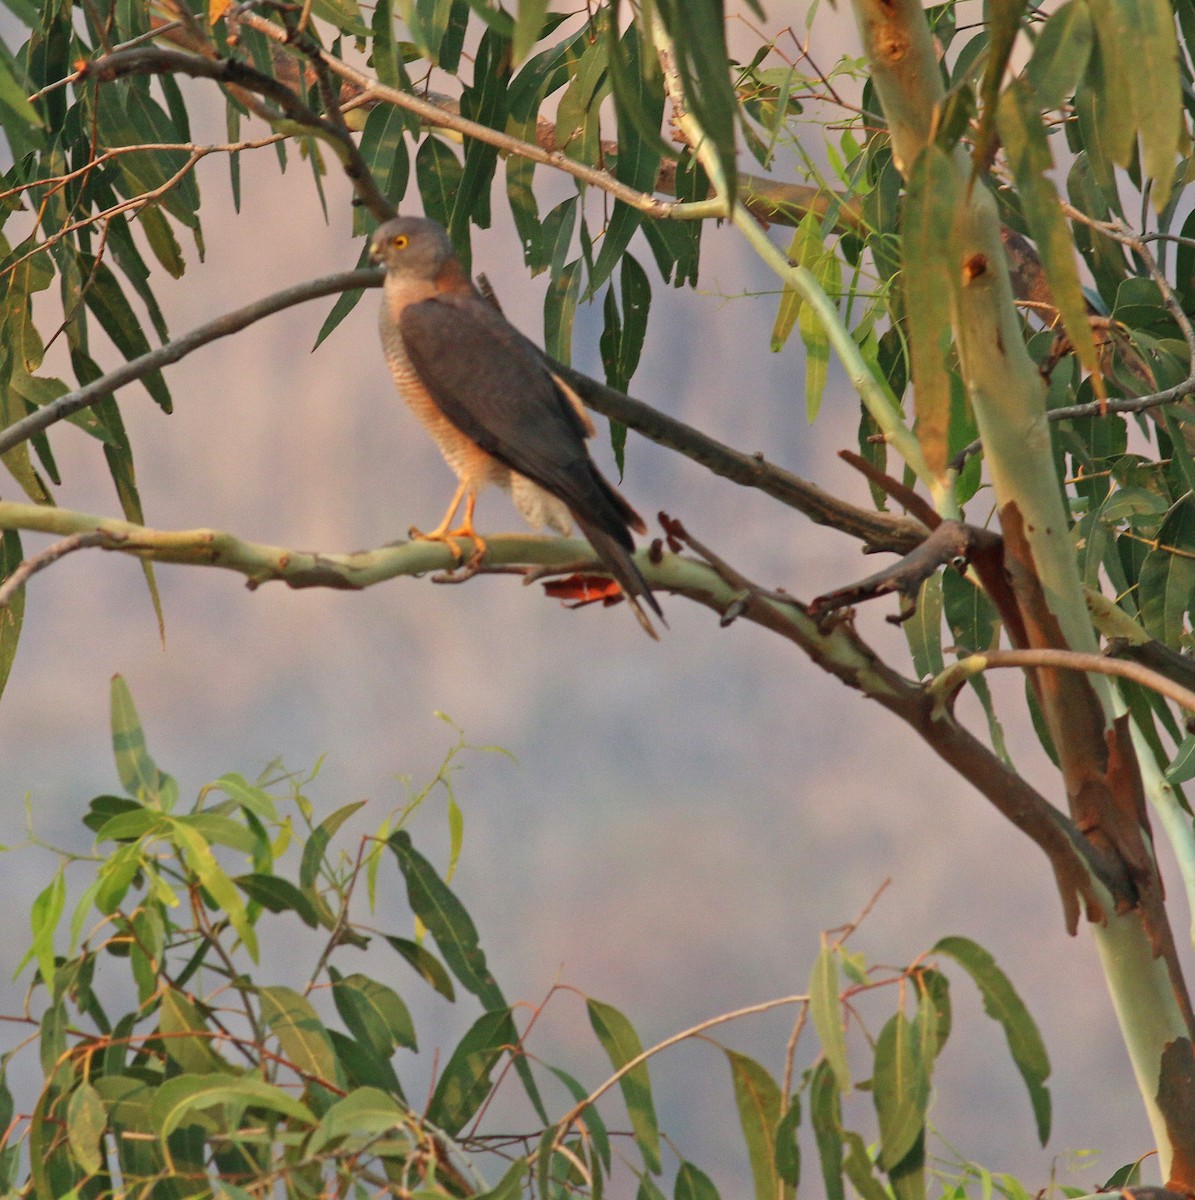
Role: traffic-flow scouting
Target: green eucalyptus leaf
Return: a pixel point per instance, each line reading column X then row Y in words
column 466, row 1079
column 300, row 1032
column 1002, row 1004
column 826, row 1012
column 622, row 1045
column 757, row 1098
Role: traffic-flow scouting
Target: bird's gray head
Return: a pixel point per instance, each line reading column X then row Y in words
column 412, row 246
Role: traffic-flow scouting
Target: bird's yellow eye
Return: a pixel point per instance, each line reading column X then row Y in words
column 400, row 241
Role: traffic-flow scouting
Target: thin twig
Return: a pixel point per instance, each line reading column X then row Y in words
column 133, row 204
column 1117, row 232
column 1069, row 660
column 21, row 574
column 639, row 1059
column 56, row 181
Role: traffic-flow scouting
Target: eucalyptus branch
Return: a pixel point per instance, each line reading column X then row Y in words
column 157, row 60
column 1069, row 660
column 566, row 1122
column 137, row 368
column 434, row 114
column 875, row 396
column 1087, row 877
column 22, row 573
column 261, row 563
column 878, row 530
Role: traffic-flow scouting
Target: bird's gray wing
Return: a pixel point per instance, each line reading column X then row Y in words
column 489, row 381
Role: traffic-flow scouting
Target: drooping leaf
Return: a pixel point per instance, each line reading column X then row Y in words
column 438, row 172
column 1001, row 1002
column 804, row 250
column 317, row 843
column 196, row 853
column 900, row 1089
column 1155, row 89
column 105, row 298
column 186, row 1037
column 86, row 1121
column 1003, row 25
column 345, row 303
column 178, row 1100
column 698, row 32
column 622, row 1045
column 362, row 1068
column 815, row 337
column 1114, row 62
column 1061, row 53
column 446, row 919
column 362, row 1115
column 426, row 964
column 788, row 1147
column 1166, row 583
column 590, row 1119
column 527, row 28
column 384, row 148
column 43, row 918
column 560, row 308
column 860, row 1169
column 1182, row 767
column 465, row 1081
column 933, row 1020
column 1029, row 156
column 578, row 115
column 484, row 102
column 138, row 773
column 278, row 895
column 826, row 1013
column 384, row 52
column 692, row 1183
column 374, row 1013
column 757, row 1097
column 118, row 453
column 13, row 614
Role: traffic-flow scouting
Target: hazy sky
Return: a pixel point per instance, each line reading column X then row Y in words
column 681, row 819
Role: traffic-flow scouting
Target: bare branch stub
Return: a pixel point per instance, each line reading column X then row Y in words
column 951, row 543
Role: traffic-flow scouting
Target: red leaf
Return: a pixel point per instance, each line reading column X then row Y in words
column 584, row 589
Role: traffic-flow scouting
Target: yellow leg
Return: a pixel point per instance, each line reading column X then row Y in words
column 443, row 532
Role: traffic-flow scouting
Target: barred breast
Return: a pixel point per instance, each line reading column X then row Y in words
column 473, row 466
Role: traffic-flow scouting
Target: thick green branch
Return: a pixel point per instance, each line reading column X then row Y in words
column 262, row 563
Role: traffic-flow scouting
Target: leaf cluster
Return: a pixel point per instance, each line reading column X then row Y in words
column 172, row 1067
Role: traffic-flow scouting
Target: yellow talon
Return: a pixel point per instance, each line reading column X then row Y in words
column 442, row 532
